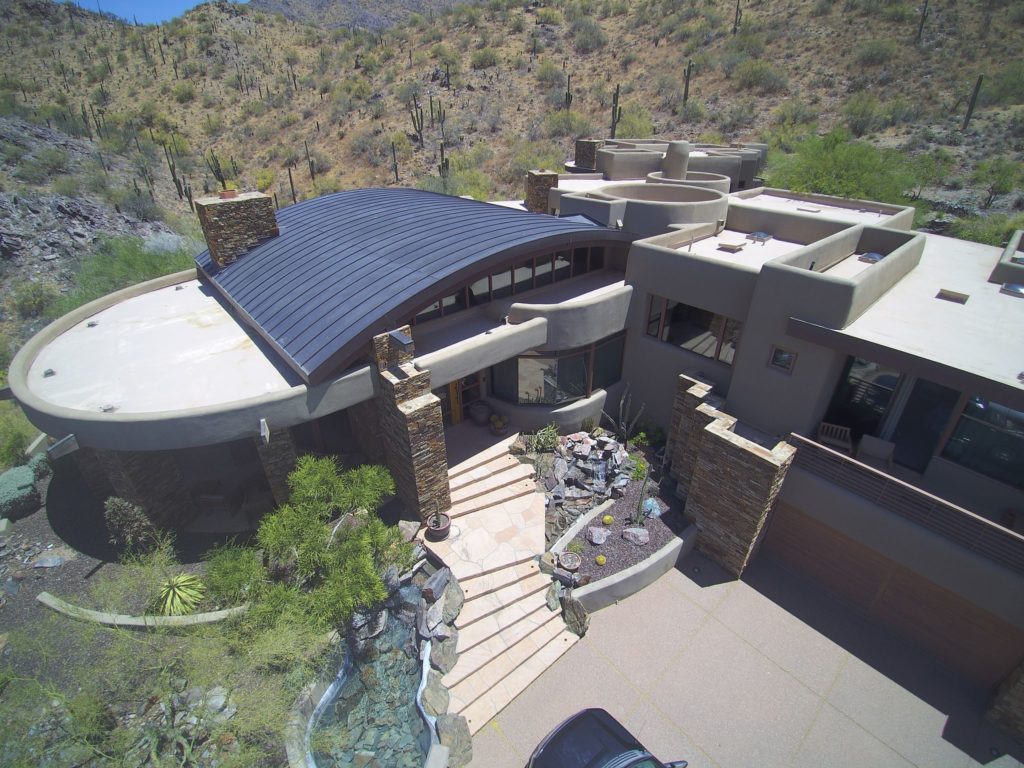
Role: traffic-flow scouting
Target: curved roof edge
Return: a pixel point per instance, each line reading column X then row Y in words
column 350, row 265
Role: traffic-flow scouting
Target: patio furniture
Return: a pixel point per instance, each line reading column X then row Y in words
column 875, row 452
column 836, row 436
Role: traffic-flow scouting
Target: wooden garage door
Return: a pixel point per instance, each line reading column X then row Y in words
column 982, row 646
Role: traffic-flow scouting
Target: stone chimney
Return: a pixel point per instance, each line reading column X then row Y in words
column 233, row 224
column 538, row 184
column 586, row 153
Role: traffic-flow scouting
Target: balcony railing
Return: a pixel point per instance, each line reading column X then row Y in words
column 955, row 523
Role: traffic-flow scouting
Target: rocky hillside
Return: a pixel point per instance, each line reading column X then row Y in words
column 351, row 13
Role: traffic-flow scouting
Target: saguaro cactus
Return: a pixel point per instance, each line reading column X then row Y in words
column 616, row 111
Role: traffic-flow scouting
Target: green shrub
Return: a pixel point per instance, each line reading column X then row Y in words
column 760, row 76
column 43, row 163
column 566, row 123
column 998, row 175
column 587, row 35
column 691, row 112
column 234, row 574
column 15, row 434
column 873, row 53
column 265, row 178
column 532, row 155
column 863, row 114
column 835, row 165
column 794, row 112
column 179, row 595
column 635, row 123
column 128, row 528
column 550, row 74
column 548, row 16
column 18, row 494
column 546, row 438
column 994, row 229
column 68, row 186
column 736, row 116
column 183, row 93
column 484, row 59
column 1004, row 87
column 31, row 300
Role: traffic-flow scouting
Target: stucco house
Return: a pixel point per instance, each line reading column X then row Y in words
column 836, row 388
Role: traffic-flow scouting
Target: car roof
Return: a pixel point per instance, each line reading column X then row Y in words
column 590, row 739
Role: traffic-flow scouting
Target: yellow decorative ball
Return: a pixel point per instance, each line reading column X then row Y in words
column 600, row 559
column 607, row 519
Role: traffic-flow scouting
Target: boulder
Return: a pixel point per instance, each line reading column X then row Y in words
column 454, row 598
column 435, row 613
column 453, row 732
column 561, row 468
column 443, row 654
column 597, row 535
column 553, row 596
column 435, row 696
column 638, row 536
column 408, row 529
column 564, row 577
column 390, row 579
column 434, row 586
column 18, row 494
column 547, row 563
column 577, row 620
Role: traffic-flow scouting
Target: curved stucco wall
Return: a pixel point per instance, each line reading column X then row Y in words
column 568, row 417
column 577, row 322
column 715, row 181
column 457, row 360
column 185, row 428
column 652, row 209
column 615, row 164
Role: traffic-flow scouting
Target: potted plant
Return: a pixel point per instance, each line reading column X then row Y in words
column 499, row 424
column 480, row 412
column 439, row 525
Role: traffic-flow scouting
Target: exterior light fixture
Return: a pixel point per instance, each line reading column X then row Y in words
column 63, row 447
column 404, row 340
column 48, row 373
column 264, row 432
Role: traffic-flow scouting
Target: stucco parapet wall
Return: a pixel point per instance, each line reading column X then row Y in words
column 577, row 322
column 184, row 428
column 897, row 216
column 483, row 350
column 1006, row 271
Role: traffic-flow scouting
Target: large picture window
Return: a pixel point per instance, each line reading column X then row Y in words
column 989, row 439
column 559, row 377
column 694, row 329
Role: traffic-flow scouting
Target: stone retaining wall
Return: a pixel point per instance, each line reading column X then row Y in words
column 150, row 479
column 278, row 459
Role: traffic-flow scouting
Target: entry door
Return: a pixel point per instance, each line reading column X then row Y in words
column 922, row 423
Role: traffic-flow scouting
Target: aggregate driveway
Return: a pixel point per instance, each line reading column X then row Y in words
column 768, row 671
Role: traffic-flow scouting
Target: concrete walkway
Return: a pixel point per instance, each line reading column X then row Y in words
column 764, row 672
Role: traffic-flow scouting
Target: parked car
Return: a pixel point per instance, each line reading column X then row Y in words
column 594, row 739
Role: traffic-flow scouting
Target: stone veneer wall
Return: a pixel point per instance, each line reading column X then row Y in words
column 152, row 480
column 734, row 486
column 538, row 183
column 586, row 153
column 411, row 429
column 278, row 458
column 93, row 473
column 730, row 483
column 234, row 225
column 1007, row 710
column 364, row 421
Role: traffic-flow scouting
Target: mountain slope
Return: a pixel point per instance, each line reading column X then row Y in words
column 350, row 13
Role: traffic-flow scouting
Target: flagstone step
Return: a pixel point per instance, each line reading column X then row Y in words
column 488, row 454
column 492, row 497
column 502, row 476
column 512, row 622
column 486, row 706
column 484, row 605
column 482, row 472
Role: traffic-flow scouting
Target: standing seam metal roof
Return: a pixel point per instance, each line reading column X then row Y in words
column 345, row 263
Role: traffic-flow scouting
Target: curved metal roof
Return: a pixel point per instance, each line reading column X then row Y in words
column 353, row 264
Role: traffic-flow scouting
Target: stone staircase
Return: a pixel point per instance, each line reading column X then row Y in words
column 507, row 635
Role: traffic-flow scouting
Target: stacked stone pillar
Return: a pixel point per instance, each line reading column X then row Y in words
column 233, row 225
column 411, row 428
column 730, row 483
column 538, row 185
column 586, row 153
column 278, row 457
column 1007, row 710
column 150, row 479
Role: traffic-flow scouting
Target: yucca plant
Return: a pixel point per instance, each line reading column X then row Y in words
column 180, row 594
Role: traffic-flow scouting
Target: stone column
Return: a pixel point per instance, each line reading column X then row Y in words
column 1007, row 710
column 93, row 474
column 734, row 486
column 364, row 421
column 278, row 459
column 538, row 184
column 152, row 480
column 233, row 225
column 586, row 153
column 685, row 430
column 411, row 429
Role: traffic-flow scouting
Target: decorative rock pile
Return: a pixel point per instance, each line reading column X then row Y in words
column 588, row 470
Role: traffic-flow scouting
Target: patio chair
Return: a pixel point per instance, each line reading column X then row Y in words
column 875, row 452
column 836, row 436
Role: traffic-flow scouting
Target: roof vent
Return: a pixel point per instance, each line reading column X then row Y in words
column 1012, row 289
column 954, row 296
column 759, row 237
column 871, row 257
column 92, row 324
column 108, row 408
column 48, row 373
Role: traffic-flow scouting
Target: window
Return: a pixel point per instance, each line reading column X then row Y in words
column 560, row 377
column 782, row 359
column 543, row 273
column 563, row 266
column 693, row 329
column 480, row 291
column 862, row 396
column 524, row 277
column 989, row 439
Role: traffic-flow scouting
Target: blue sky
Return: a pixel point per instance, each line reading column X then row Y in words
column 146, row 11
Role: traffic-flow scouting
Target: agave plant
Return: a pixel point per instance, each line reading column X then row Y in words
column 180, row 594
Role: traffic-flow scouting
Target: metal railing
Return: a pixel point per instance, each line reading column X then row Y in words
column 957, row 524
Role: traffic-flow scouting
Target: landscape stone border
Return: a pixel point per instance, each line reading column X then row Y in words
column 137, row 622
column 609, row 590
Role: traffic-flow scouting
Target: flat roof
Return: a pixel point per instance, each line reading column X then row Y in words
column 350, row 265
column 752, row 253
column 170, row 349
column 983, row 336
column 792, row 202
